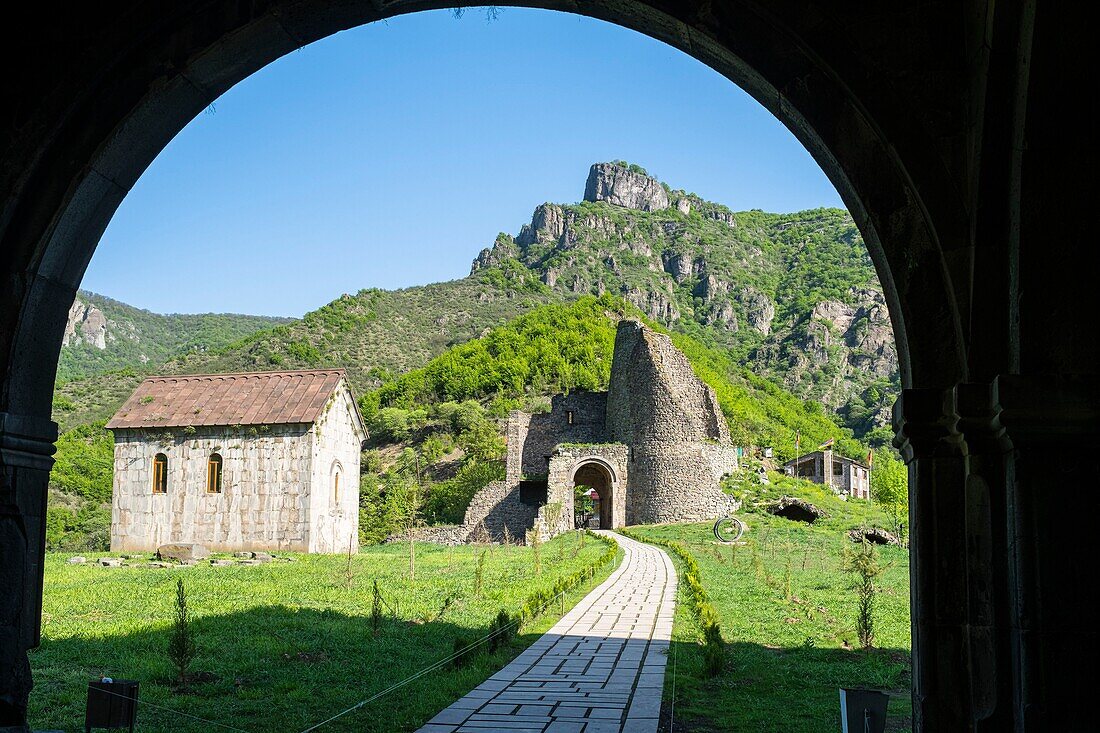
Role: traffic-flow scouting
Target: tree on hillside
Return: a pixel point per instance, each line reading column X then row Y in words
column 890, row 487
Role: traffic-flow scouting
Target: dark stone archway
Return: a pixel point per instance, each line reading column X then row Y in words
column 597, row 476
column 951, row 129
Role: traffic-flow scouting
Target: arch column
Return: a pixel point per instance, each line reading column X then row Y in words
column 26, row 450
column 1002, row 490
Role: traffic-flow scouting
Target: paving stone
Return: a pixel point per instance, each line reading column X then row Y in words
column 607, row 652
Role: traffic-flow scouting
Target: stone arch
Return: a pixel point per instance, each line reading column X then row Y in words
column 916, row 113
column 600, row 475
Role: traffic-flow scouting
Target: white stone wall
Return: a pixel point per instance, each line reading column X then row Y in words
column 263, row 505
column 336, row 439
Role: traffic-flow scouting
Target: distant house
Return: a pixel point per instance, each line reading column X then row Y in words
column 257, row 461
column 845, row 476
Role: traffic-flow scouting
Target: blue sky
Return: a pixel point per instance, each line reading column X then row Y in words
column 389, row 155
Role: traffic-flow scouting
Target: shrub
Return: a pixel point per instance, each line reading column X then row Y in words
column 181, row 643
column 706, row 615
column 863, row 562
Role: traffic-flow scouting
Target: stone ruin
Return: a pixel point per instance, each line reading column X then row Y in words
column 655, row 447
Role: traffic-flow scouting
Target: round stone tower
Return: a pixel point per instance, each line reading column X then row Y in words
column 679, row 440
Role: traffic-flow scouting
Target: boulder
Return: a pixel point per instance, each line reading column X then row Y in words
column 78, row 560
column 796, row 509
column 262, row 557
column 111, row 562
column 874, row 535
column 181, row 552
column 222, row 563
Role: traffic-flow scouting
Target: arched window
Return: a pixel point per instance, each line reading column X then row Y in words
column 160, row 474
column 214, row 474
column 336, row 487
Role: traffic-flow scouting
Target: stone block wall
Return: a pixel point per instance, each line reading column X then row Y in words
column 497, row 507
column 263, row 505
column 679, row 485
column 654, row 395
column 612, row 458
column 334, row 494
column 532, row 438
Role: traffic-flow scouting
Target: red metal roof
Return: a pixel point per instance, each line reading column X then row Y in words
column 252, row 398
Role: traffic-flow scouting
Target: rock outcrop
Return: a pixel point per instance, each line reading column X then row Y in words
column 874, row 535
column 86, row 323
column 795, row 509
column 621, row 186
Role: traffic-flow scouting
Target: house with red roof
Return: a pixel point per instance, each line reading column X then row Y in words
column 253, row 461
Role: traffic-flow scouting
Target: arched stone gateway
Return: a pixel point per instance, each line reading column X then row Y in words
column 953, row 131
column 597, row 474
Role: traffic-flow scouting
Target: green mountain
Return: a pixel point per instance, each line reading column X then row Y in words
column 105, row 335
column 794, row 296
column 781, row 313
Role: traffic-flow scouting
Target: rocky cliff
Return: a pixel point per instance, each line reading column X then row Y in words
column 620, row 185
column 794, row 294
column 102, row 334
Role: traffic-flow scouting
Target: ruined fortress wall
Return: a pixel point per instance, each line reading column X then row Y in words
column 654, row 396
column 672, row 421
column 497, row 507
column 679, row 486
column 613, row 458
column 263, row 505
column 534, row 437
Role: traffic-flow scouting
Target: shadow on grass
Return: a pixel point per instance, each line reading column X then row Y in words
column 271, row 668
column 780, row 689
column 275, row 668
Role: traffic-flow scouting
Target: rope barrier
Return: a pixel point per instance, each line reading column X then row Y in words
column 431, row 668
column 146, row 703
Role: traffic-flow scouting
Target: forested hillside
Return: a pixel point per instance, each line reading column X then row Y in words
column 780, row 313
column 105, row 335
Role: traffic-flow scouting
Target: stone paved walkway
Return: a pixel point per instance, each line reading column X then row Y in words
column 600, row 669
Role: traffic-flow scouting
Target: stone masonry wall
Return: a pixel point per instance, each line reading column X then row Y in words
column 537, row 435
column 336, row 443
column 497, row 507
column 569, row 459
column 672, row 421
column 263, row 505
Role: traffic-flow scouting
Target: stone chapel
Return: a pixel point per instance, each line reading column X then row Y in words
column 255, row 461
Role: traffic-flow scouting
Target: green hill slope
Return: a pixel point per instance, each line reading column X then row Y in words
column 105, row 335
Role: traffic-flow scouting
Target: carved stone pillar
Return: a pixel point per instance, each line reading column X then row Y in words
column 928, row 438
column 1004, row 510
column 26, row 447
column 987, row 567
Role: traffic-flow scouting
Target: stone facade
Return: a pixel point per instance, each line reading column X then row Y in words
column 292, row 486
column 655, row 447
column 845, row 476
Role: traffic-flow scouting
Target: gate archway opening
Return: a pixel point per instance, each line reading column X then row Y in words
column 597, row 477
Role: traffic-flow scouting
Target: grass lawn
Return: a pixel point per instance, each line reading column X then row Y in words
column 287, row 644
column 788, row 652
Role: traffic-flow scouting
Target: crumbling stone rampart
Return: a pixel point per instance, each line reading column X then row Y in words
column 656, row 443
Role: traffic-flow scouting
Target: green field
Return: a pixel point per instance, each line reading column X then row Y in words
column 788, row 613
column 287, row 644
